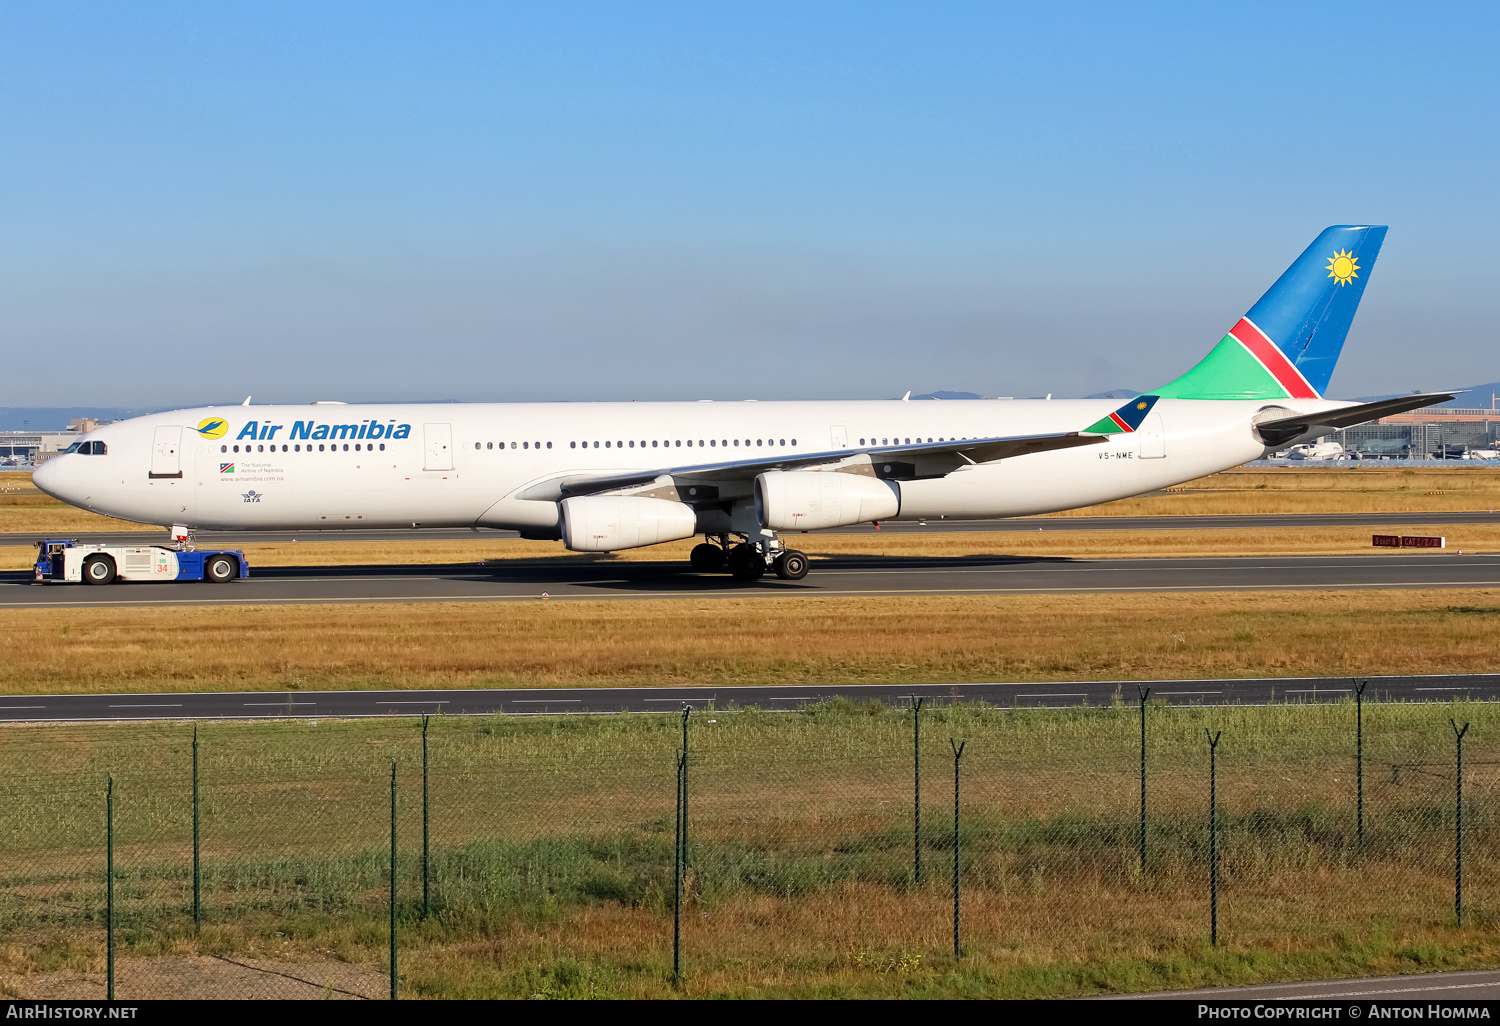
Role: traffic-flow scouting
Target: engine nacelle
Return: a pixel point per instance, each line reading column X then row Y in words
column 603, row 523
column 805, row 500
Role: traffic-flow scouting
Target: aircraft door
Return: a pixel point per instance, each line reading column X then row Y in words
column 166, row 452
column 1152, row 438
column 439, row 442
column 839, row 436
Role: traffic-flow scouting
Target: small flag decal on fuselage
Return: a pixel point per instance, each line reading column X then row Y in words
column 226, row 468
column 1126, row 419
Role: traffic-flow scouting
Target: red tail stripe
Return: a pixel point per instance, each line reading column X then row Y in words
column 1274, row 360
column 1123, row 426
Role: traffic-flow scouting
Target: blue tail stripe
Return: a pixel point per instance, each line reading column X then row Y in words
column 1308, row 311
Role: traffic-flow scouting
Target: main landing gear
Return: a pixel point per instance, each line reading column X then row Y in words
column 748, row 561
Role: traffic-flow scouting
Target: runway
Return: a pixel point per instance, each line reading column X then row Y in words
column 1261, row 522
column 537, row 701
column 530, row 580
column 1446, row 988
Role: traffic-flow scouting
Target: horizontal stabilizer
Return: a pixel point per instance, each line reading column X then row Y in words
column 1283, row 429
column 961, row 452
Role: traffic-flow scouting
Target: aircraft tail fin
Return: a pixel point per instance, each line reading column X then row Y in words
column 1286, row 346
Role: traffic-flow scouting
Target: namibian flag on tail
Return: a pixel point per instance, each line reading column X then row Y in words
column 1126, row 419
column 1286, row 346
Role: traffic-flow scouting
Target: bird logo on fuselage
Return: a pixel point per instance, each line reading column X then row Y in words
column 213, row 427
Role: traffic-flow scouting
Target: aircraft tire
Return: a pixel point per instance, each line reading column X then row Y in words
column 98, row 570
column 791, row 565
column 746, row 564
column 221, row 569
column 707, row 558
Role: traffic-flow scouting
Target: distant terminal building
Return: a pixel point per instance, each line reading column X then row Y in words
column 28, row 448
column 1434, row 433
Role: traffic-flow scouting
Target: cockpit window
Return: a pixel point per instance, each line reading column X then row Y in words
column 100, row 449
column 71, row 448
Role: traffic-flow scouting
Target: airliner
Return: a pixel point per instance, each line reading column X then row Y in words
column 744, row 475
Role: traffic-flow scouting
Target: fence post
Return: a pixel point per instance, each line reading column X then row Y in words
column 1144, row 693
column 1458, row 861
column 686, row 712
column 393, row 879
column 426, row 851
column 109, row 889
column 677, row 868
column 1213, row 837
column 958, row 753
column 1359, row 758
column 916, row 765
column 197, row 862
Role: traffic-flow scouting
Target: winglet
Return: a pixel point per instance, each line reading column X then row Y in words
column 1126, row 419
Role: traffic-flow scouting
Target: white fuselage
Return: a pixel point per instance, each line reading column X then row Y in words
column 461, row 465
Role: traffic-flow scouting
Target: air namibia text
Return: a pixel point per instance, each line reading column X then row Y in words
column 261, row 431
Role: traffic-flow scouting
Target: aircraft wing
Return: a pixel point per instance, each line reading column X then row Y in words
column 1284, row 429
column 894, row 462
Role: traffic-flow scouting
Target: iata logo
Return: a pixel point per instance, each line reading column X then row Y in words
column 213, row 427
column 252, row 495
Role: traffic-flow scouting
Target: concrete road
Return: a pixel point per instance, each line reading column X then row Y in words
column 520, row 701
column 1442, row 988
column 514, row 580
column 1377, row 522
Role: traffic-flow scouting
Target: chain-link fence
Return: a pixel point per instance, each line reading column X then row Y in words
column 550, row 856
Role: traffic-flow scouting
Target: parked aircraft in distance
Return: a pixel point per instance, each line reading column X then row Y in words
column 1319, row 452
column 605, row 476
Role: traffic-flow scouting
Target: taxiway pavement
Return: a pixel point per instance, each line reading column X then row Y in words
column 535, row 701
column 530, row 580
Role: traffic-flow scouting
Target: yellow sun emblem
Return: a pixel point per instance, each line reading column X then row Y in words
column 1342, row 267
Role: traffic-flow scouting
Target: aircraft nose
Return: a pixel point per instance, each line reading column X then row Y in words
column 49, row 477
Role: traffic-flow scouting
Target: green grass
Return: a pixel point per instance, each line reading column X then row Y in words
column 552, row 849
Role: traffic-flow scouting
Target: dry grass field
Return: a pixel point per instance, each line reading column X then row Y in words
column 833, row 640
column 552, row 852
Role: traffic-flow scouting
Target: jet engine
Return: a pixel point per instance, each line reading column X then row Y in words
column 803, row 500
column 603, row 523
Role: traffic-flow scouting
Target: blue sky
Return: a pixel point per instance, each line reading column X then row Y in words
column 640, row 201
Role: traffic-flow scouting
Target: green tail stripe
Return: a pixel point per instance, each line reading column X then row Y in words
column 1104, row 426
column 1229, row 372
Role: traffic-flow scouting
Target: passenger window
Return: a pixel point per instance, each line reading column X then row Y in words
column 283, row 448
column 679, row 443
column 346, row 446
column 632, row 443
column 794, row 441
column 223, row 448
column 781, row 442
column 320, row 448
column 382, row 447
column 712, row 442
column 572, row 445
column 476, row 445
column 653, row 444
column 526, row 445
column 549, row 445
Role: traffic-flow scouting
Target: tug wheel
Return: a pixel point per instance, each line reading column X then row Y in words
column 221, row 569
column 98, row 570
